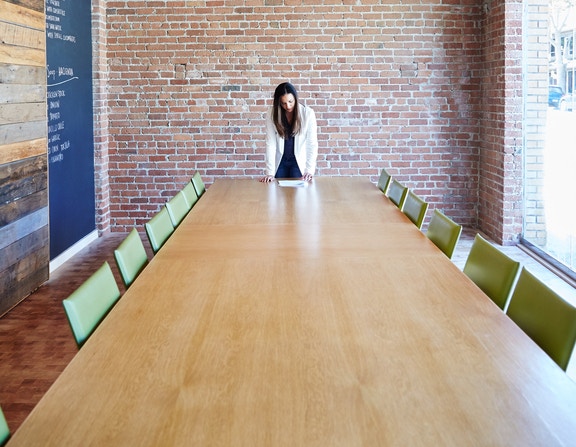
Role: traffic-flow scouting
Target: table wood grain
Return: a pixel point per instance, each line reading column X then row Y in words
column 312, row 316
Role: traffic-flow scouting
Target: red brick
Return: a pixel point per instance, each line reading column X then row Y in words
column 183, row 87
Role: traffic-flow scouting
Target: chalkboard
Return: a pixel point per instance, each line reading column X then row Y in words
column 70, row 126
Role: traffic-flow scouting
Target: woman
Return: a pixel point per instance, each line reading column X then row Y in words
column 291, row 140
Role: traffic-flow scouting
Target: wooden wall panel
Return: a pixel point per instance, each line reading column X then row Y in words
column 21, row 179
column 34, row 5
column 24, row 236
column 22, row 131
column 20, row 94
column 23, row 149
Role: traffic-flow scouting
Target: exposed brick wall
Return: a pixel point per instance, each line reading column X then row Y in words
column 101, row 134
column 393, row 85
column 500, row 186
column 535, row 121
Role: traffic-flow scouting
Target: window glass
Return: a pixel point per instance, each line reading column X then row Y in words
column 550, row 140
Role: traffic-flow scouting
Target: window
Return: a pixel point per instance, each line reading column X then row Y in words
column 550, row 135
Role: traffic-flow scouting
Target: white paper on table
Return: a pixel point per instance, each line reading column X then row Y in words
column 293, row 183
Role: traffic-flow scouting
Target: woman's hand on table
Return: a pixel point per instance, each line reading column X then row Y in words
column 267, row 179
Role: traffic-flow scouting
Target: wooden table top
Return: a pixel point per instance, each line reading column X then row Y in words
column 311, row 316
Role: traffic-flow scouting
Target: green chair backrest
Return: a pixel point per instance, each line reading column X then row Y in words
column 415, row 209
column 384, row 181
column 159, row 229
column 397, row 193
column 177, row 208
column 443, row 232
column 87, row 306
column 198, row 184
column 544, row 316
column 491, row 270
column 190, row 194
column 4, row 430
column 131, row 257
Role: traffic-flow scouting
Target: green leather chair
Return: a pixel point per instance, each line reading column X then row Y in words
column 491, row 270
column 444, row 232
column 131, row 257
column 159, row 229
column 4, row 430
column 87, row 306
column 198, row 184
column 384, row 181
column 397, row 193
column 190, row 194
column 415, row 209
column 544, row 316
column 177, row 208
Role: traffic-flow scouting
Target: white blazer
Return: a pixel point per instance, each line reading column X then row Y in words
column 305, row 143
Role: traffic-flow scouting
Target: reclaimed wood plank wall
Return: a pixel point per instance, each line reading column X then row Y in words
column 24, row 237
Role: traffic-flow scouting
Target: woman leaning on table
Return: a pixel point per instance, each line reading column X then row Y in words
column 291, row 140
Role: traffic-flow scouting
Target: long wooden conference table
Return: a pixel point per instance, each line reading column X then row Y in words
column 304, row 316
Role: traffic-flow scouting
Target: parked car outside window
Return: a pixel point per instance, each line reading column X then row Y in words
column 555, row 97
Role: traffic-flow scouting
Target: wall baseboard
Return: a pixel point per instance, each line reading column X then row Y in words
column 74, row 249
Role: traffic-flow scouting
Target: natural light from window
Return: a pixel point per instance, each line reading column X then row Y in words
column 550, row 176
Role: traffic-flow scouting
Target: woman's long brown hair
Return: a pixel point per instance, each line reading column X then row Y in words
column 279, row 115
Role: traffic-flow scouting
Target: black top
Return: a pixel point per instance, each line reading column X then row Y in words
column 288, row 143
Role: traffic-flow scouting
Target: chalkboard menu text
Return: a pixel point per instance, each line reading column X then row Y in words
column 70, row 123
